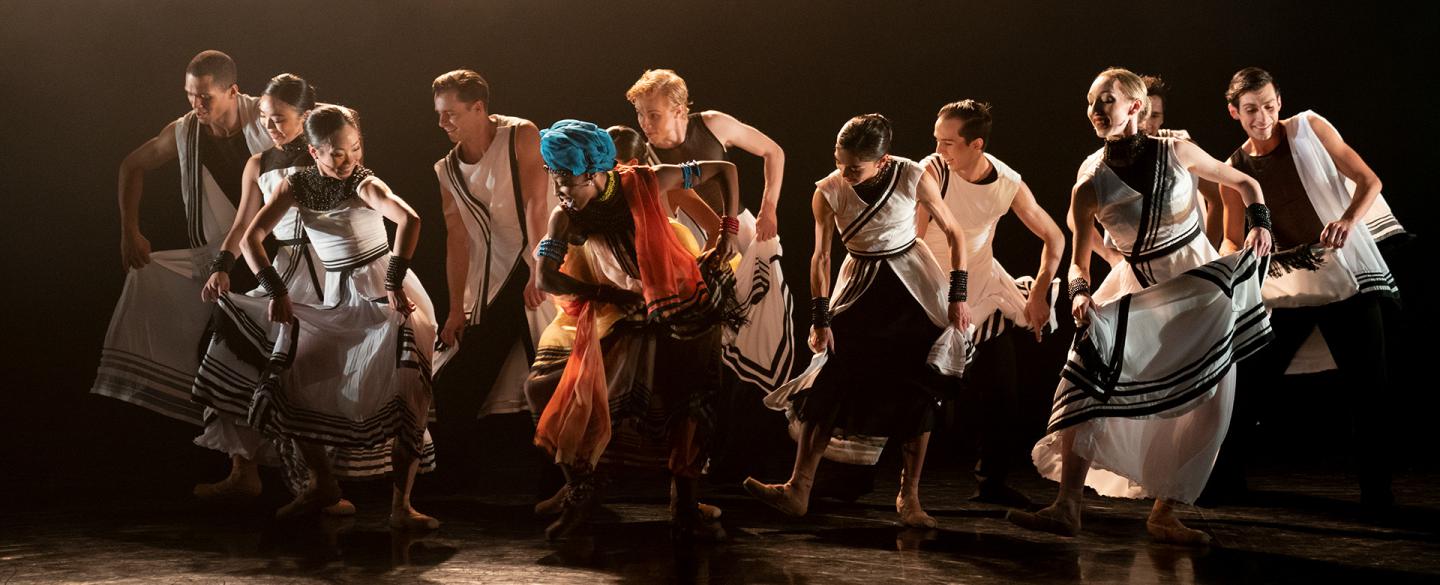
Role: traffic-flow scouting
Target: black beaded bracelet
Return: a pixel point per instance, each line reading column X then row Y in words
column 223, row 262
column 1257, row 215
column 395, row 274
column 959, row 283
column 274, row 285
column 820, row 312
column 1079, row 286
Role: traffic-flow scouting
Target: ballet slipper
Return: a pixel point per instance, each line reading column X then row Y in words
column 554, row 504
column 409, row 519
column 1059, row 518
column 911, row 514
column 310, row 501
column 236, row 486
column 343, row 507
column 779, row 496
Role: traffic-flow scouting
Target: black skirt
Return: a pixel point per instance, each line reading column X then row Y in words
column 877, row 381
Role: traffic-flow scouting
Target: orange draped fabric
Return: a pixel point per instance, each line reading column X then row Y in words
column 575, row 425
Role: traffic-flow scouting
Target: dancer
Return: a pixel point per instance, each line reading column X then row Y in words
column 758, row 354
column 352, row 372
column 978, row 189
column 636, row 347
column 871, row 376
column 1144, row 400
column 283, row 105
column 149, row 356
column 496, row 198
column 1307, row 170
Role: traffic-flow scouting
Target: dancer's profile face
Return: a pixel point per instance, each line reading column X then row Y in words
column 283, row 122
column 1110, row 111
column 854, row 170
column 459, row 118
column 1258, row 112
column 576, row 191
column 209, row 100
column 339, row 155
column 952, row 147
column 660, row 119
column 1152, row 124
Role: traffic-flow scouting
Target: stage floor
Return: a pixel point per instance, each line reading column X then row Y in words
column 1301, row 527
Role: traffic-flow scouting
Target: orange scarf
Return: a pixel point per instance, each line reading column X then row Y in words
column 576, row 423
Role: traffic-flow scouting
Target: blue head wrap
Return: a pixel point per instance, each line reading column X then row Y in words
column 577, row 147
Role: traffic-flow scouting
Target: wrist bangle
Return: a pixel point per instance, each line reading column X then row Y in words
column 223, row 262
column 820, row 312
column 959, row 285
column 691, row 173
column 274, row 285
column 1079, row 286
column 1257, row 215
column 730, row 224
column 395, row 274
column 553, row 249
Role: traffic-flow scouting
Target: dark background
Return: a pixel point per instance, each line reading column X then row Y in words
column 85, row 82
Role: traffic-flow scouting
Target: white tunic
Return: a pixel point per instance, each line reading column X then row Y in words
column 995, row 296
column 148, row 357
column 493, row 212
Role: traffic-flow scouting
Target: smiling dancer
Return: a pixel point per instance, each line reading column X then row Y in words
column 1307, row 172
column 1145, row 398
column 496, row 197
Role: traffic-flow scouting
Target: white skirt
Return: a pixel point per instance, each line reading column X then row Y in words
column 350, row 373
column 762, row 350
column 1150, row 383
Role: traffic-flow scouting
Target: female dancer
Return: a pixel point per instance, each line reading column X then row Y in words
column 889, row 311
column 1145, row 397
column 351, row 372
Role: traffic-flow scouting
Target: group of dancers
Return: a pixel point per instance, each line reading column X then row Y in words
column 610, row 282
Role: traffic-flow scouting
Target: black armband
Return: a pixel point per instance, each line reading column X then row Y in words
column 274, row 285
column 223, row 262
column 1079, row 286
column 820, row 312
column 959, row 285
column 1257, row 215
column 395, row 274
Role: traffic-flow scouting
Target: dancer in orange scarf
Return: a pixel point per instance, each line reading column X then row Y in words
column 636, row 346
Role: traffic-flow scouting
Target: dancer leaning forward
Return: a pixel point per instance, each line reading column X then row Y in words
column 1145, row 397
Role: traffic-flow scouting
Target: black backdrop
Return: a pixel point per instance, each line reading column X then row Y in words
column 85, row 82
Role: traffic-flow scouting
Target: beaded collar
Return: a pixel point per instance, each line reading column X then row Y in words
column 1123, row 152
column 321, row 193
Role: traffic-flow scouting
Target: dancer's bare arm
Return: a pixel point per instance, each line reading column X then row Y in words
column 1206, row 167
column 732, row 132
column 252, row 245
column 457, row 266
column 1083, row 204
column 929, row 196
column 1039, row 222
column 134, row 248
column 1349, row 163
column 672, row 178
column 376, row 194
column 820, row 336
column 555, row 282
column 534, row 187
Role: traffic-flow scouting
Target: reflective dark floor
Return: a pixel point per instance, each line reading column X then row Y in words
column 1298, row 527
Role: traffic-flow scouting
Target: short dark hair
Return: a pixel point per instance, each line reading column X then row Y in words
column 218, row 66
column 628, row 143
column 468, row 85
column 293, row 90
column 324, row 121
column 866, row 136
column 1155, row 86
column 974, row 117
column 1247, row 80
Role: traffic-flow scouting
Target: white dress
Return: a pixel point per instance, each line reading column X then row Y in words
column 1149, row 384
column 349, row 372
column 149, row 355
column 996, row 299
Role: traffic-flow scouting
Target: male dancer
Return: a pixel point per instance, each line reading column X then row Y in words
column 149, row 356
column 1302, row 165
column 758, row 355
column 979, row 189
column 496, row 196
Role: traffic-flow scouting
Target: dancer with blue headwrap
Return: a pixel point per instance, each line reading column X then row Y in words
column 633, row 355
